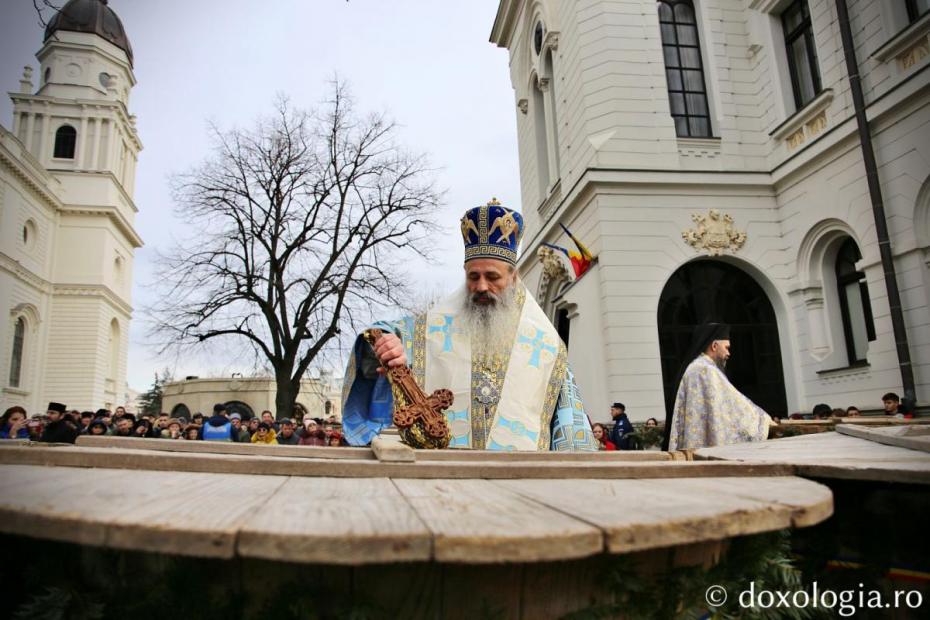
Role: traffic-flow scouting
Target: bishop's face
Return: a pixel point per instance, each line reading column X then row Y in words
column 487, row 278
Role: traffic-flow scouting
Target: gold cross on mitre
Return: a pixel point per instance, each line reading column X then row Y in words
column 494, row 202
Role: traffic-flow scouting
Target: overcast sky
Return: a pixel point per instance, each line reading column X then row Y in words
column 427, row 63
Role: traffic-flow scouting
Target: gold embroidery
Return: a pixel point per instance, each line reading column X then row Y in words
column 489, row 369
column 556, row 379
column 508, row 226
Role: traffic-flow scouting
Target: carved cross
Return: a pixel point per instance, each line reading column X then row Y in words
column 427, row 410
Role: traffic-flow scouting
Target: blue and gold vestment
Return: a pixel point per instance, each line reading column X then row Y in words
column 525, row 399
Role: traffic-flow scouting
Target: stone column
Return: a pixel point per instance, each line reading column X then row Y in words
column 81, row 154
column 95, row 157
column 30, row 130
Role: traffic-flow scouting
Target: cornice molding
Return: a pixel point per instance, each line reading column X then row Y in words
column 30, row 173
column 115, row 216
column 17, row 270
column 93, row 290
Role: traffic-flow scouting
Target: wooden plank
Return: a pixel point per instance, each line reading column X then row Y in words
column 222, row 447
column 831, row 455
column 530, row 457
column 391, row 450
column 336, row 521
column 477, row 521
column 118, row 458
column 182, row 513
column 910, row 437
column 648, row 514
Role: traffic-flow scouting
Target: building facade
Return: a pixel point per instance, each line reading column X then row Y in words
column 67, row 170
column 707, row 153
column 318, row 397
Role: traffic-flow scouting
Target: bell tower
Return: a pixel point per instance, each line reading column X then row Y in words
column 73, row 121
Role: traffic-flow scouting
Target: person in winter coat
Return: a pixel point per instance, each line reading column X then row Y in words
column 600, row 433
column 59, row 429
column 218, row 427
column 265, row 434
column 312, row 434
column 13, row 424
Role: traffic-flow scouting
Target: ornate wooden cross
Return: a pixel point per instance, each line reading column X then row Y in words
column 420, row 420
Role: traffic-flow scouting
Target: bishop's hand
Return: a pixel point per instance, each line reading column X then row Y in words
column 389, row 349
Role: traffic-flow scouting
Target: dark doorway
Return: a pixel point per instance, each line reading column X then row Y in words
column 709, row 290
column 236, row 406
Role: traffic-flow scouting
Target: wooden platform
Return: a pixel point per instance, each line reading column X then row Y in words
column 834, row 455
column 354, row 511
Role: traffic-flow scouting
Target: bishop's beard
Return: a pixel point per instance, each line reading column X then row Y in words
column 491, row 326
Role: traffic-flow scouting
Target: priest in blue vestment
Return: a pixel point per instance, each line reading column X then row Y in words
column 489, row 343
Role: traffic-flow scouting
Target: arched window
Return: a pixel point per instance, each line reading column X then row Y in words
column 65, row 141
column 19, row 341
column 855, row 306
column 181, row 411
column 684, row 70
column 542, row 144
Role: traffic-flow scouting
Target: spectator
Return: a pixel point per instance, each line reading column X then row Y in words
column 652, row 422
column 312, row 434
column 822, row 411
column 36, row 426
column 172, row 430
column 838, row 413
column 86, row 418
column 268, row 418
column 98, row 427
column 58, row 429
column 123, row 427
column 852, row 411
column 118, row 413
column 286, row 435
column 335, row 439
column 264, row 434
column 142, row 429
column 622, row 426
column 891, row 403
column 600, row 433
column 242, row 434
column 192, row 432
column 218, row 427
column 197, row 419
column 160, row 424
column 13, row 424
column 253, row 426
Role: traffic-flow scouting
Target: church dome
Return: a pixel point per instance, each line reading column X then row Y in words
column 93, row 16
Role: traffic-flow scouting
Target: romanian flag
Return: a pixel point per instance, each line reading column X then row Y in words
column 582, row 258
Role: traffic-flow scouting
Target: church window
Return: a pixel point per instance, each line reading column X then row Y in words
column 538, row 37
column 916, row 9
column 65, row 141
column 802, row 53
column 684, row 69
column 29, row 234
column 47, row 75
column 855, row 305
column 16, row 363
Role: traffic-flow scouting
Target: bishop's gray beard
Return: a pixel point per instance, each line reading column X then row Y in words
column 491, row 326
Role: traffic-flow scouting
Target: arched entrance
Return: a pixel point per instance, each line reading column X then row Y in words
column 237, row 406
column 712, row 290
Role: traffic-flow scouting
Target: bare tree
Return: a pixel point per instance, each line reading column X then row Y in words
column 299, row 226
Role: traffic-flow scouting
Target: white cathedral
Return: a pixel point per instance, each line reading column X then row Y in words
column 708, row 153
column 67, row 171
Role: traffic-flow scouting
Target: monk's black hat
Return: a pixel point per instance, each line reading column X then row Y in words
column 59, row 407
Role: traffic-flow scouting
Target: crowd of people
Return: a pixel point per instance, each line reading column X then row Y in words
column 59, row 425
